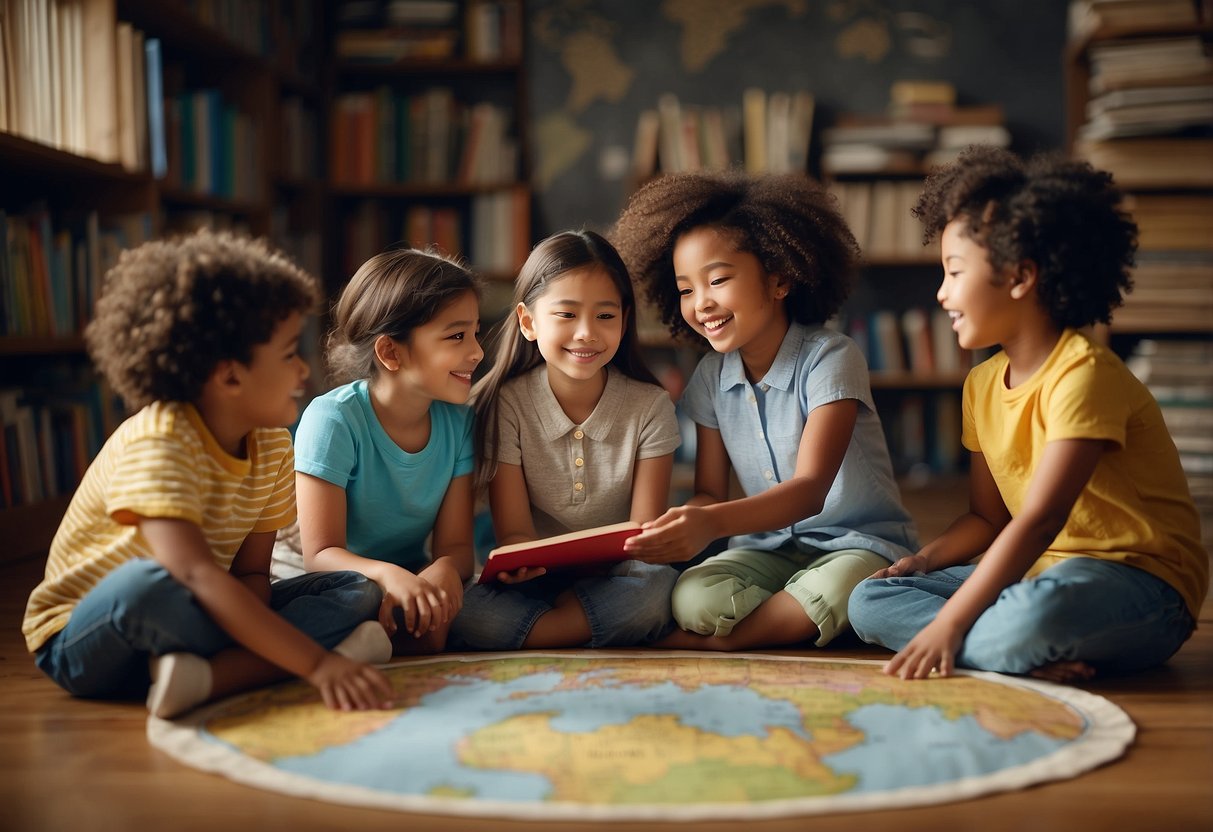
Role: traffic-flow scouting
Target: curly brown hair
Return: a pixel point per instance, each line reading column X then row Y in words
column 787, row 221
column 1065, row 216
column 172, row 309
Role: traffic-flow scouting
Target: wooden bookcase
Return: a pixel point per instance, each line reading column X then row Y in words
column 72, row 199
column 428, row 138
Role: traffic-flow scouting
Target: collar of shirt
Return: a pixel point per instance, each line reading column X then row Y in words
column 552, row 417
column 783, row 368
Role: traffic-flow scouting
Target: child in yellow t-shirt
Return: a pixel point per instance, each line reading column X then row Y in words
column 1090, row 542
column 164, row 551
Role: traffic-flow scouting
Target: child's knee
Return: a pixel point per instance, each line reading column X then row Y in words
column 711, row 605
column 865, row 607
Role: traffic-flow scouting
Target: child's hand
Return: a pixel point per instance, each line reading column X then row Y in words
column 347, row 685
column 910, row 565
column 420, row 602
column 525, row 573
column 678, row 535
column 444, row 577
column 933, row 649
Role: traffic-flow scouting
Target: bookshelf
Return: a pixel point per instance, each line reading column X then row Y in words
column 120, row 121
column 1139, row 104
column 428, row 134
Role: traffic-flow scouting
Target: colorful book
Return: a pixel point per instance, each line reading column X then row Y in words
column 585, row 548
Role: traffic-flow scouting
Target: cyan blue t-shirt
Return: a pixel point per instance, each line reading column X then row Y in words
column 392, row 497
column 761, row 426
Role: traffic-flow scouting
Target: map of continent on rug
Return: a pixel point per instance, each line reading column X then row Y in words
column 650, row 735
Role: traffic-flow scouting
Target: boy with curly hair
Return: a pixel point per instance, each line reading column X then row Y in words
column 1090, row 542
column 164, row 551
column 755, row 266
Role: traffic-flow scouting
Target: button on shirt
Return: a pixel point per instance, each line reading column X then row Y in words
column 580, row 476
column 761, row 426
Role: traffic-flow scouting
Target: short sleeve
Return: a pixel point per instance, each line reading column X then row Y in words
column 699, row 398
column 1087, row 402
column 280, row 510
column 509, row 429
column 839, row 372
column 324, row 443
column 157, row 480
column 659, row 433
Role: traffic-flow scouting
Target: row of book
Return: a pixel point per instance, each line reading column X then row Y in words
column 50, row 435
column 768, row 132
column 375, row 32
column 1179, row 373
column 915, row 340
column 51, row 268
column 490, row 231
column 78, row 79
column 1088, row 18
column 879, row 215
column 384, row 137
column 212, row 147
column 923, row 432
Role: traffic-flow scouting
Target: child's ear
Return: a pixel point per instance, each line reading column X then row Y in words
column 1023, row 279
column 386, row 353
column 226, row 378
column 782, row 287
column 526, row 323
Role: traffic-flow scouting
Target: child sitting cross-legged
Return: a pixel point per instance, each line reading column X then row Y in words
column 157, row 581
column 1089, row 541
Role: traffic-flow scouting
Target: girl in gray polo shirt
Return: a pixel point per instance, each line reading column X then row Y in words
column 755, row 265
column 573, row 432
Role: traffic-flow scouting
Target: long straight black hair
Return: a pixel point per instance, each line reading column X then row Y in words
column 513, row 355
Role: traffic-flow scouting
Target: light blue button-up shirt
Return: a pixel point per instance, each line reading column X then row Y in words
column 761, row 425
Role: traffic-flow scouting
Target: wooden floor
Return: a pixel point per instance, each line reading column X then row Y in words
column 74, row 765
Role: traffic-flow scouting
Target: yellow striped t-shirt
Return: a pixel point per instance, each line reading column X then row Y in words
column 162, row 462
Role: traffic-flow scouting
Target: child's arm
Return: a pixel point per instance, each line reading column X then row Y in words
column 651, row 487
column 452, row 546
column 968, row 536
column 510, row 503
column 322, row 519
column 251, row 566
column 180, row 547
column 1065, row 467
column 683, row 532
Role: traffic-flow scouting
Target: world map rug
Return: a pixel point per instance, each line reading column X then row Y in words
column 590, row 735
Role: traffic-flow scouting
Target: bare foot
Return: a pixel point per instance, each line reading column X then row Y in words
column 1064, row 672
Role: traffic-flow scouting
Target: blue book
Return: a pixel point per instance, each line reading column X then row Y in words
column 155, row 107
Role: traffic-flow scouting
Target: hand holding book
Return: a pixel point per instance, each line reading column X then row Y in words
column 603, row 544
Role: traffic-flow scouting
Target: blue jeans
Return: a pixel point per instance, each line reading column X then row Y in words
column 1114, row 617
column 627, row 606
column 139, row 610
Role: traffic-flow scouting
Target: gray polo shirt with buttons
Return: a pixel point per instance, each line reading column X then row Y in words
column 761, row 425
column 580, row 476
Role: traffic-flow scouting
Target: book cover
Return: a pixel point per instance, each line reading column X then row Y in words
column 585, row 548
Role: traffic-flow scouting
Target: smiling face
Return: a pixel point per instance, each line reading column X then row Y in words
column 577, row 323
column 440, row 356
column 726, row 295
column 274, row 377
column 975, row 296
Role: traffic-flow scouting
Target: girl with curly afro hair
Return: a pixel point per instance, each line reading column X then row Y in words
column 1090, row 543
column 754, row 266
column 157, row 582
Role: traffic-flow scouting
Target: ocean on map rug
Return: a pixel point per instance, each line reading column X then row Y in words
column 591, row 735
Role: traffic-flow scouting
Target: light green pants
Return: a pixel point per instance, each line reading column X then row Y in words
column 709, row 599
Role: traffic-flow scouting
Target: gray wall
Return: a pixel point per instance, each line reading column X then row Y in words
column 593, row 65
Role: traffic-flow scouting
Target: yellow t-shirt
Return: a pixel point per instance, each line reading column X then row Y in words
column 1136, row 508
column 162, row 462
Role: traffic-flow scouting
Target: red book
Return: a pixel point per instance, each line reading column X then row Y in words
column 591, row 546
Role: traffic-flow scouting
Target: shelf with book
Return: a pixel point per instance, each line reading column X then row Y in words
column 1139, row 88
column 92, row 154
column 428, row 132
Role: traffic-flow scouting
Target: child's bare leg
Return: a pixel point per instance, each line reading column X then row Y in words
column 776, row 621
column 405, row 643
column 564, row 625
column 1064, row 672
